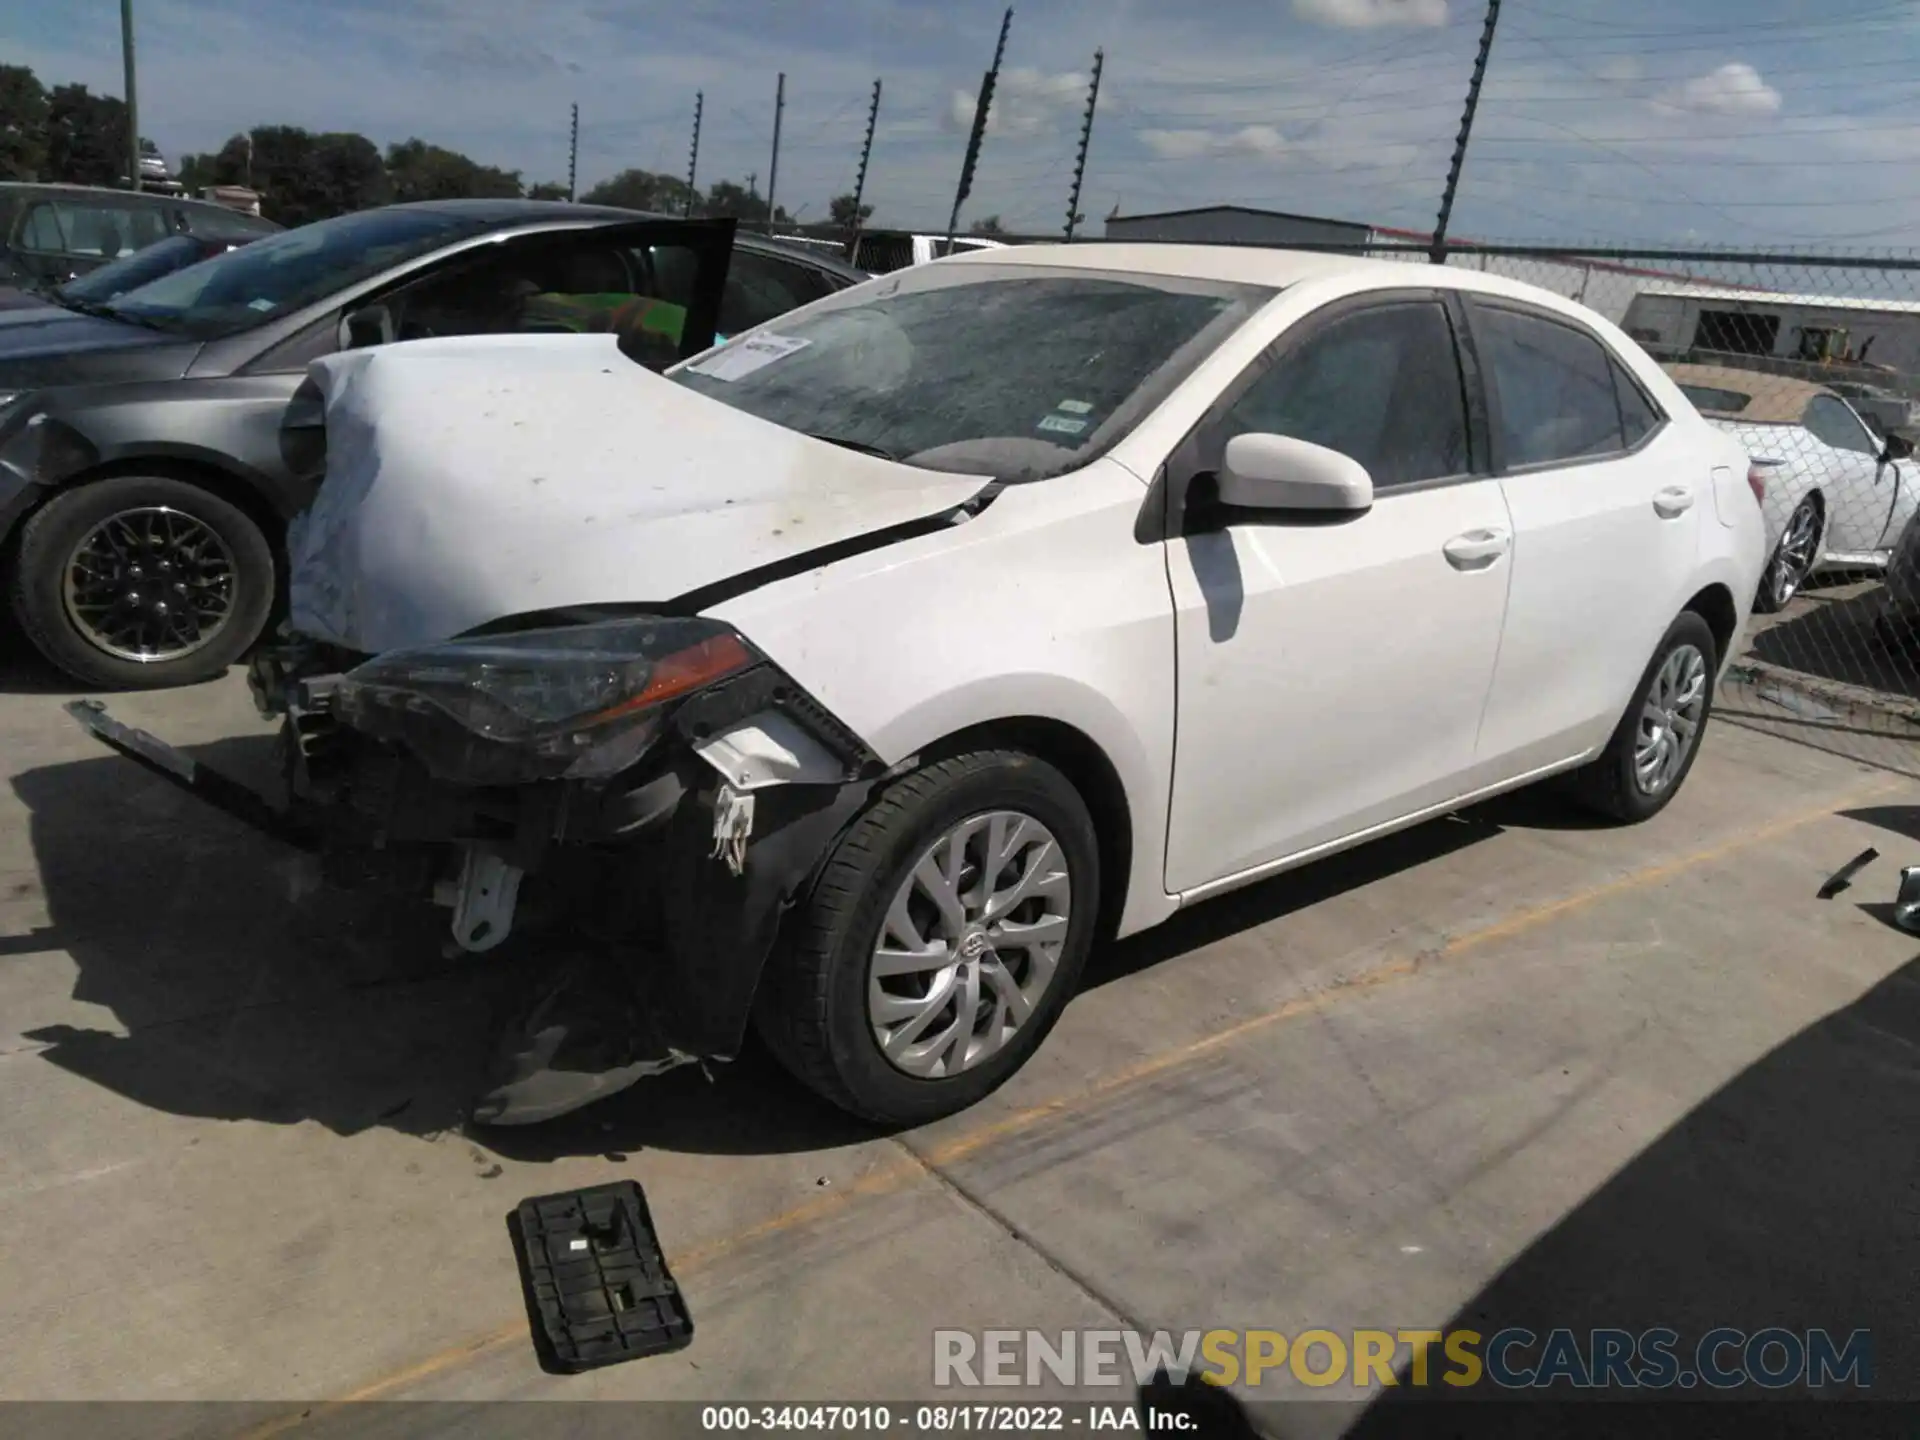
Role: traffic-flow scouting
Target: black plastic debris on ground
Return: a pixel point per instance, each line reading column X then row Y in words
column 598, row 1289
column 1843, row 877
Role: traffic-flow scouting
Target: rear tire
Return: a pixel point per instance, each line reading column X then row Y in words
column 827, row 996
column 102, row 543
column 1619, row 784
column 1792, row 560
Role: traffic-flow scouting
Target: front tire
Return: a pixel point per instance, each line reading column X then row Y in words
column 943, row 939
column 140, row 582
column 1792, row 560
column 1654, row 746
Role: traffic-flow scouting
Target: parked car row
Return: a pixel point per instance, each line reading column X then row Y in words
column 51, row 233
column 848, row 680
column 144, row 500
column 1838, row 495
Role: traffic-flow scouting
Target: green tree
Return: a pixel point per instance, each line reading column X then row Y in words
column 989, row 225
column 23, row 124
column 420, row 171
column 86, row 137
column 547, row 190
column 642, row 190
column 231, row 164
column 846, row 215
column 728, row 197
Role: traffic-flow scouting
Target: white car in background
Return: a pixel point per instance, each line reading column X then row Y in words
column 1837, row 496
column 873, row 666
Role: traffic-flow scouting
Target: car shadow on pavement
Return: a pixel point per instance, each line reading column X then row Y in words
column 23, row 672
column 211, row 983
column 1784, row 1199
column 1831, row 637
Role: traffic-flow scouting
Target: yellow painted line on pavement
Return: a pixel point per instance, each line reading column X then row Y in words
column 889, row 1178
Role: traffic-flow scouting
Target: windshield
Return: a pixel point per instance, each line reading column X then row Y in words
column 163, row 257
column 1016, row 371
column 281, row 273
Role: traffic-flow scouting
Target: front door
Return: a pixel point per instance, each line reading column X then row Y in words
column 1331, row 677
column 1848, row 467
column 1606, row 501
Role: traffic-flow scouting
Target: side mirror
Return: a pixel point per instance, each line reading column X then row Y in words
column 372, row 325
column 1898, row 448
column 1277, row 472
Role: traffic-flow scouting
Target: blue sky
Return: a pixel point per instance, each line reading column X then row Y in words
column 1765, row 122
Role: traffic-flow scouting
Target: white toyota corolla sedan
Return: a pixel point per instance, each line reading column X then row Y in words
column 852, row 680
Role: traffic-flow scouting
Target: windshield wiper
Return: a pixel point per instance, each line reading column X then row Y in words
column 859, row 446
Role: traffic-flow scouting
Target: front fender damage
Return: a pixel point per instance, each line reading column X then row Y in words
column 645, row 910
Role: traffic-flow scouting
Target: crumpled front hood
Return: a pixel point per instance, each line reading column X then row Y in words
column 470, row 480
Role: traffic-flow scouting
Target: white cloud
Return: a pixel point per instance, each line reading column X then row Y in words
column 1025, row 101
column 1261, row 142
column 1734, row 89
column 1372, row 14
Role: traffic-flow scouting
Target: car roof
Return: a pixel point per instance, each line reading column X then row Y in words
column 509, row 212
column 1775, row 399
column 1274, row 267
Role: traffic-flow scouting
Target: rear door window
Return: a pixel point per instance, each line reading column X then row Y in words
column 95, row 230
column 1555, row 388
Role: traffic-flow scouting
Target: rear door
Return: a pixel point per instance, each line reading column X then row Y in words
column 1606, row 499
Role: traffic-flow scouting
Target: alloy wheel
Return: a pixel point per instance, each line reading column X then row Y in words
column 1793, row 559
column 1670, row 720
column 150, row 584
column 969, row 944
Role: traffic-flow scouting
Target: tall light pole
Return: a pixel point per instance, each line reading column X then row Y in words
column 773, row 170
column 133, row 104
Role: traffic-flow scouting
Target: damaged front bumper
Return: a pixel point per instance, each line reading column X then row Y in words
column 674, row 871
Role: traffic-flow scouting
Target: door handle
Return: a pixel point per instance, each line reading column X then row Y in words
column 1673, row 502
column 1476, row 549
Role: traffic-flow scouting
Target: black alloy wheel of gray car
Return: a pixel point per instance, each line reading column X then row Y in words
column 1792, row 559
column 136, row 581
column 1654, row 746
column 941, row 942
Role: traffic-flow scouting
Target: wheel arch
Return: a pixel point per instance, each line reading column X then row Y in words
column 232, row 486
column 1715, row 605
column 1087, row 767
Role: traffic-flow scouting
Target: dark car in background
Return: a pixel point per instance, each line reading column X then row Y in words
column 176, row 252
column 51, row 233
column 154, row 446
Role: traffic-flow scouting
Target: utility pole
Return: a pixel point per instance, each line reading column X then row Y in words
column 133, row 103
column 1438, row 255
column 866, row 154
column 773, row 170
column 1086, row 139
column 980, row 109
column 693, row 155
column 573, row 152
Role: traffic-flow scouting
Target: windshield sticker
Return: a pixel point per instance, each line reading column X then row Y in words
column 260, row 304
column 1075, row 407
column 740, row 358
column 1061, row 425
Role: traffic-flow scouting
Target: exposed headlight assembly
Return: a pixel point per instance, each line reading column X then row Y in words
column 578, row 702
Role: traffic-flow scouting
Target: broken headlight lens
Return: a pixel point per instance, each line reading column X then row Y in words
column 579, row 702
